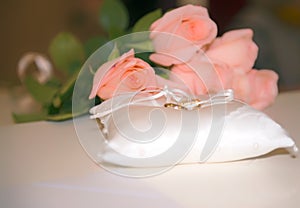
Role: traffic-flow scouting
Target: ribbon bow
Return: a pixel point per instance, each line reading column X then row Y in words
column 174, row 98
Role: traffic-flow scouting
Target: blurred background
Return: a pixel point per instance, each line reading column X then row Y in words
column 30, row 25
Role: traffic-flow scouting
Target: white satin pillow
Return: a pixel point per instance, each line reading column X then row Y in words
column 219, row 133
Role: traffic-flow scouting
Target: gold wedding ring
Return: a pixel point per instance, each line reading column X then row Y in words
column 189, row 105
column 174, row 106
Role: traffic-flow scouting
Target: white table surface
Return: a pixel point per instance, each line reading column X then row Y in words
column 44, row 165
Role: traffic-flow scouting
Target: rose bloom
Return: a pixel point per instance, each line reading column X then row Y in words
column 124, row 74
column 235, row 48
column 180, row 52
column 202, row 76
column 183, row 29
column 190, row 22
column 257, row 88
column 183, row 73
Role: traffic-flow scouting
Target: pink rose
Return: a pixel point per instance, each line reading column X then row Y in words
column 235, row 48
column 179, row 52
column 124, row 74
column 183, row 73
column 202, row 76
column 180, row 32
column 190, row 22
column 258, row 88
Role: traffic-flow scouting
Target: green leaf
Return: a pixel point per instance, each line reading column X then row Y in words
column 41, row 93
column 53, row 82
column 66, row 52
column 162, row 73
column 64, row 95
column 142, row 45
column 65, row 116
column 114, row 33
column 113, row 15
column 60, row 117
column 145, row 22
column 115, row 53
column 22, row 118
column 91, row 45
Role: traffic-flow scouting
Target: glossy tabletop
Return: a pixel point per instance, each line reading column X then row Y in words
column 44, row 165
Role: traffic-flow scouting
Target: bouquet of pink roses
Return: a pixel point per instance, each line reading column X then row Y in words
column 168, row 93
column 184, row 41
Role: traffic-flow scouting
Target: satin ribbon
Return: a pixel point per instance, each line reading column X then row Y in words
column 175, row 98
